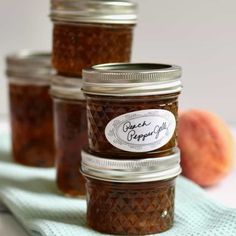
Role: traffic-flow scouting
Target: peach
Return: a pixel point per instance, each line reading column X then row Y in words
column 206, row 145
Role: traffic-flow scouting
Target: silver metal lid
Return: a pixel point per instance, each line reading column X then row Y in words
column 94, row 11
column 132, row 79
column 29, row 67
column 131, row 171
column 66, row 87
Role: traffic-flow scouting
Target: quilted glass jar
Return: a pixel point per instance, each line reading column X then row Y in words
column 89, row 32
column 31, row 108
column 132, row 109
column 130, row 197
column 70, row 133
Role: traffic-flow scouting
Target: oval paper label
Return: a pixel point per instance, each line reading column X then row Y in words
column 141, row 131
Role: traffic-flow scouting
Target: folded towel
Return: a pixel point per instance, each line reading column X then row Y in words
column 32, row 196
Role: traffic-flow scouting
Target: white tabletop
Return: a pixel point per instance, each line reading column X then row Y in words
column 225, row 192
column 10, row 227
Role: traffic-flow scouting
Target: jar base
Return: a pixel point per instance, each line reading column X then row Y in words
column 71, row 193
column 39, row 164
column 131, row 234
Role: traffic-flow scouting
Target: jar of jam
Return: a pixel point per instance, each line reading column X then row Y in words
column 70, row 133
column 132, row 109
column 130, row 197
column 89, row 32
column 31, row 108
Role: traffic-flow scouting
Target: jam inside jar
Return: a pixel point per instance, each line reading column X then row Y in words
column 31, row 108
column 89, row 44
column 91, row 32
column 132, row 109
column 133, row 204
column 102, row 110
column 70, row 133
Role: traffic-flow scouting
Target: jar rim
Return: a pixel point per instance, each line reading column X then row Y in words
column 94, row 11
column 66, row 87
column 28, row 66
column 131, row 171
column 132, row 79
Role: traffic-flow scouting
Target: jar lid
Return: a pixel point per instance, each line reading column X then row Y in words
column 132, row 79
column 131, row 171
column 66, row 87
column 29, row 67
column 94, row 11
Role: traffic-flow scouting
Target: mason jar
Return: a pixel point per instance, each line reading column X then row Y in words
column 89, row 32
column 132, row 109
column 70, row 133
column 31, row 108
column 130, row 197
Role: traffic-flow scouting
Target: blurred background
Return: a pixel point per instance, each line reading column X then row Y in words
column 198, row 35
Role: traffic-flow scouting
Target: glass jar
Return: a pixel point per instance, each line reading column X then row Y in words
column 70, row 133
column 132, row 109
column 31, row 108
column 130, row 197
column 89, row 32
